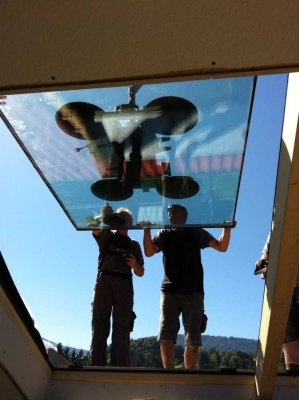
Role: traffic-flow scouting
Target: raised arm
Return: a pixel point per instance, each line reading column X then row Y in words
column 99, row 235
column 149, row 247
column 222, row 243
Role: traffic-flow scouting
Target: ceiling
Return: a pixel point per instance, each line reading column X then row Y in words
column 99, row 43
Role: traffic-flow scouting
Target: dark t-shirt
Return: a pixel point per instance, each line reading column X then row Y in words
column 182, row 259
column 113, row 247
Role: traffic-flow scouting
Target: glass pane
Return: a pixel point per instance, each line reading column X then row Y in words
column 141, row 147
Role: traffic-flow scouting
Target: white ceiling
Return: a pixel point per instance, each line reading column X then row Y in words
column 71, row 43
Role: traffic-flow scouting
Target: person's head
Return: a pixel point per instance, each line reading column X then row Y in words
column 127, row 215
column 177, row 214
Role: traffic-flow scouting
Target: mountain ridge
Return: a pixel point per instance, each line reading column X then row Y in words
column 221, row 343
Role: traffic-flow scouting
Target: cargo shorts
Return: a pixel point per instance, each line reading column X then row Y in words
column 191, row 307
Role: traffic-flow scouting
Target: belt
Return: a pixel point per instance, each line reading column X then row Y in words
column 117, row 274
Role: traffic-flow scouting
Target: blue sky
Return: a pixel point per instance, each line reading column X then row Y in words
column 54, row 266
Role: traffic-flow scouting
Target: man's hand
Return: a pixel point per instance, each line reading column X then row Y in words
column 146, row 224
column 131, row 262
column 2, row 99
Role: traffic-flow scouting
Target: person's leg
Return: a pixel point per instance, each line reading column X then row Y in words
column 169, row 327
column 167, row 350
column 291, row 354
column 101, row 312
column 122, row 319
column 191, row 356
column 192, row 305
column 291, row 340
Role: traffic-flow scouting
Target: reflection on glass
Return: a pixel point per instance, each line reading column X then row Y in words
column 142, row 147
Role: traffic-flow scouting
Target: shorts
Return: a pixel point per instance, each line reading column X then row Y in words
column 191, row 306
column 292, row 330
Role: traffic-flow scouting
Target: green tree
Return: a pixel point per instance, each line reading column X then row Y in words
column 215, row 358
column 204, row 359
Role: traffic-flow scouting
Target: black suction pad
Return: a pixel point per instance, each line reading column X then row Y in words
column 111, row 189
column 77, row 120
column 175, row 115
column 177, row 187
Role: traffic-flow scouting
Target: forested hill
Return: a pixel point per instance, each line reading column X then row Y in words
column 224, row 343
column 217, row 352
column 221, row 343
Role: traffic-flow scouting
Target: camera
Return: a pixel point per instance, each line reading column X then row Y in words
column 121, row 255
column 261, row 267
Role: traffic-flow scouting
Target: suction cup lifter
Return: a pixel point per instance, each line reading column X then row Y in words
column 129, row 129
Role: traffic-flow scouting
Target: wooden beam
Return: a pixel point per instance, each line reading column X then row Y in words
column 20, row 358
column 284, row 249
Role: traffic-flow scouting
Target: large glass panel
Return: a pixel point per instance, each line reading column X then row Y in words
column 141, row 147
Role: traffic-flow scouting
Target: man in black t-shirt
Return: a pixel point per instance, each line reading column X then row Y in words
column 182, row 290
